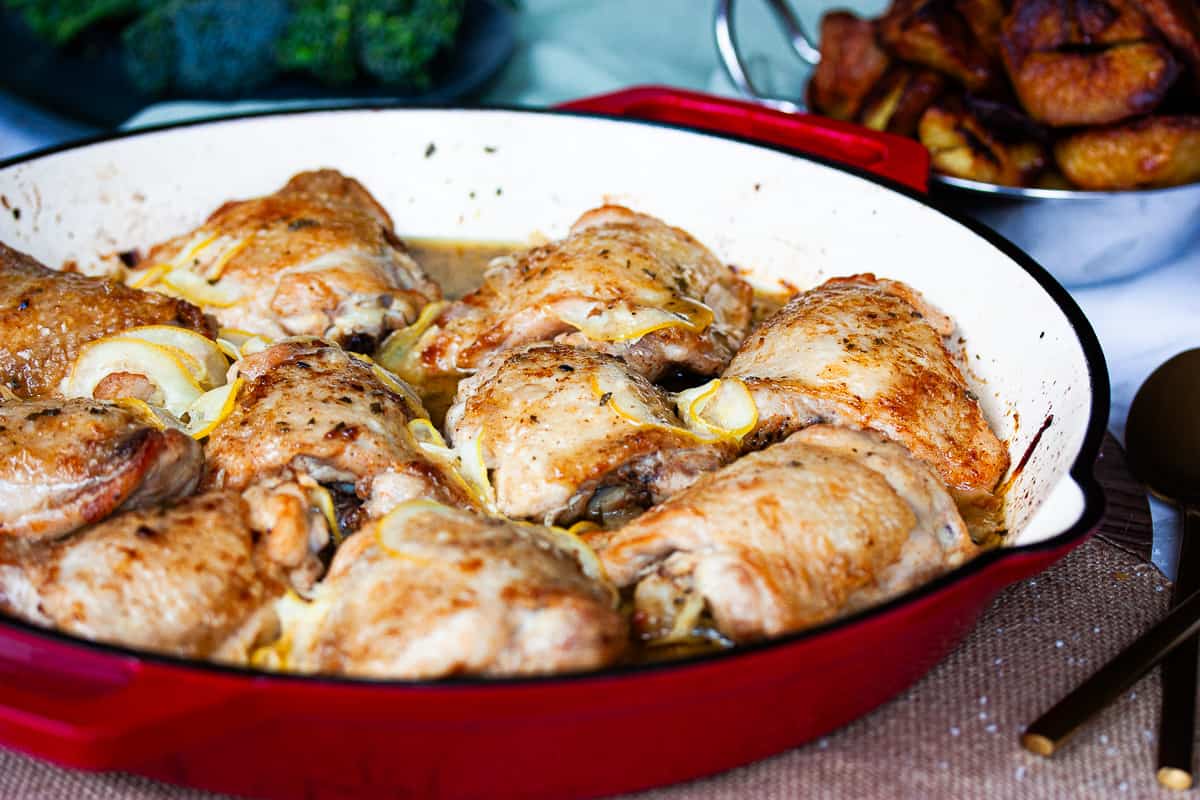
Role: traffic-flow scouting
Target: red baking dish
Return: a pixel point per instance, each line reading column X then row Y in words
column 811, row 198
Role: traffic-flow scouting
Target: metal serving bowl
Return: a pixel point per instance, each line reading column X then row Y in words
column 1082, row 237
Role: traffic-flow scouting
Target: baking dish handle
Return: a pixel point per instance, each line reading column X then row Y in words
column 101, row 716
column 904, row 161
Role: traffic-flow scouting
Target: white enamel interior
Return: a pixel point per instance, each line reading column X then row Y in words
column 499, row 175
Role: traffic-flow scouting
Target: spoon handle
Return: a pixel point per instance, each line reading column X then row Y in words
column 1051, row 729
column 1177, row 722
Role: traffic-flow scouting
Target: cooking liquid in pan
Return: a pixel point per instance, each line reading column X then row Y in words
column 458, row 267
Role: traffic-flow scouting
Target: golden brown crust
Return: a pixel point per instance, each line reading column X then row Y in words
column 1065, row 89
column 187, row 579
column 1152, row 152
column 47, row 316
column 309, row 408
column 852, row 62
column 454, row 593
column 932, row 33
column 552, row 436
column 68, row 463
column 961, row 145
column 897, row 102
column 984, row 18
column 870, row 353
column 318, row 257
column 1086, row 63
column 1179, row 23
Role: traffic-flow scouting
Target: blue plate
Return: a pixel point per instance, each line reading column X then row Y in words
column 87, row 82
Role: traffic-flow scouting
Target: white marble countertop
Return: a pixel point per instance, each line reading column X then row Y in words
column 572, row 48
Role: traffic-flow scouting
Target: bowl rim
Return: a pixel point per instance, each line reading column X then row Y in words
column 1080, row 471
column 1037, row 193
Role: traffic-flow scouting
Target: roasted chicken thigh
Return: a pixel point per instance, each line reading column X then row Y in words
column 186, row 579
column 821, row 524
column 870, row 353
column 68, row 463
column 567, row 433
column 431, row 591
column 47, row 316
column 310, row 410
column 622, row 283
column 319, row 257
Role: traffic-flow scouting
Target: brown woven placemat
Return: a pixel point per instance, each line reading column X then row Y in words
column 953, row 735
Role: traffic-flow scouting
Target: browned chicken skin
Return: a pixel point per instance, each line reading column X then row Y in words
column 186, row 579
column 319, row 257
column 47, row 316
column 559, row 444
column 870, row 353
column 824, row 523
column 622, row 283
column 308, row 408
column 445, row 592
column 68, row 463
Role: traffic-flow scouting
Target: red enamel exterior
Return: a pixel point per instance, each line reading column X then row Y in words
column 102, row 708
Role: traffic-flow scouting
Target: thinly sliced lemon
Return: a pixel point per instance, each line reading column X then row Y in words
column 722, row 408
column 217, row 268
column 394, row 383
column 211, row 408
column 320, row 497
column 686, row 620
column 621, row 398
column 255, row 344
column 144, row 279
column 300, row 621
column 195, row 289
column 474, row 472
column 156, row 416
column 393, row 349
column 160, row 365
column 589, row 562
column 192, row 250
column 389, row 531
column 426, row 434
column 430, row 440
column 231, row 352
column 211, row 362
column 623, row 322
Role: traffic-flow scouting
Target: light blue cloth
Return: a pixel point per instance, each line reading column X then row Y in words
column 574, row 48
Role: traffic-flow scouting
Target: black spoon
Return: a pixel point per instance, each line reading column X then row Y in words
column 1162, row 440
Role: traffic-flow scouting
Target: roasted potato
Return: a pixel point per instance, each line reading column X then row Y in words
column 933, row 33
column 961, row 145
column 897, row 102
column 1068, row 88
column 852, row 62
column 1089, row 62
column 1179, row 23
column 1152, row 152
column 984, row 18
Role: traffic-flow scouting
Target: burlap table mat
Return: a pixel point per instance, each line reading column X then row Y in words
column 952, row 735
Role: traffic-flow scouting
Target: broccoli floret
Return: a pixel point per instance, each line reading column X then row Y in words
column 398, row 39
column 319, row 39
column 60, row 21
column 149, row 51
column 210, row 47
